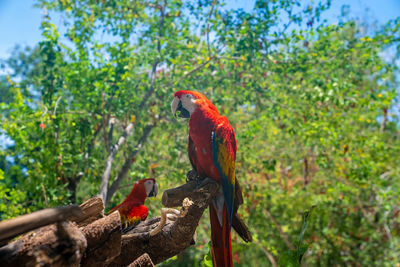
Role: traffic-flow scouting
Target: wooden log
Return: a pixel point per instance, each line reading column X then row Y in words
column 103, row 240
column 93, row 209
column 22, row 224
column 177, row 234
column 61, row 244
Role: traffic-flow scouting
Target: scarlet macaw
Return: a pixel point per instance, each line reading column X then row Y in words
column 132, row 209
column 212, row 153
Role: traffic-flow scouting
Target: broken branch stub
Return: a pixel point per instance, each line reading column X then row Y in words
column 93, row 209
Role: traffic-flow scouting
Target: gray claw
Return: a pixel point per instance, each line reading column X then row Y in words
column 192, row 176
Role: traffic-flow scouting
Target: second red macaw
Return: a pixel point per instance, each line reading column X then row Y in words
column 212, row 153
column 132, row 209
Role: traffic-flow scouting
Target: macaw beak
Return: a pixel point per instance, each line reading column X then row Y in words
column 177, row 106
column 154, row 191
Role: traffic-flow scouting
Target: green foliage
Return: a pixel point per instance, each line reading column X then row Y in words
column 208, row 257
column 312, row 104
column 294, row 257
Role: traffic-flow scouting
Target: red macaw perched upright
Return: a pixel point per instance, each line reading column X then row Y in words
column 212, row 153
column 132, row 209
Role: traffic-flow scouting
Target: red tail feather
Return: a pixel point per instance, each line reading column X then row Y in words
column 220, row 239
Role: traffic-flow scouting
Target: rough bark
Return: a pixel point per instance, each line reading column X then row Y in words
column 61, row 244
column 103, row 240
column 93, row 209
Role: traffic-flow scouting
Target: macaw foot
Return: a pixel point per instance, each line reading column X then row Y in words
column 129, row 225
column 126, row 229
column 192, row 176
column 201, row 182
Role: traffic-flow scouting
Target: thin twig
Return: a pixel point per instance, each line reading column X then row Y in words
column 283, row 234
column 384, row 120
column 208, row 26
column 45, row 110
column 192, row 71
column 44, row 194
column 111, row 131
column 91, row 143
column 269, row 255
column 22, row 224
column 55, row 106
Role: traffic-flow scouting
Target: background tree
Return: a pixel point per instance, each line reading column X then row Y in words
column 312, row 104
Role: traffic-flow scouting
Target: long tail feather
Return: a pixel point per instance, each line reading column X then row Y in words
column 237, row 223
column 220, row 239
column 241, row 228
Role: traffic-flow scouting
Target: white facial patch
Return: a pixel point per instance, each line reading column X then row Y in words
column 149, row 185
column 189, row 103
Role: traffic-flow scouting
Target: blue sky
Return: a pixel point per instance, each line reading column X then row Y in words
column 20, row 21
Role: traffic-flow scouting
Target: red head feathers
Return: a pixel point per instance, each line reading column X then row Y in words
column 186, row 102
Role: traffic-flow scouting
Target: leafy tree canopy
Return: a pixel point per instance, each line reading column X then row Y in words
column 312, row 104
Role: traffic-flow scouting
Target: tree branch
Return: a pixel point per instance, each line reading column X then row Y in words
column 91, row 143
column 283, row 234
column 128, row 163
column 269, row 255
column 208, row 25
column 61, row 244
column 25, row 223
column 110, row 132
column 384, row 120
column 109, row 161
column 192, row 71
